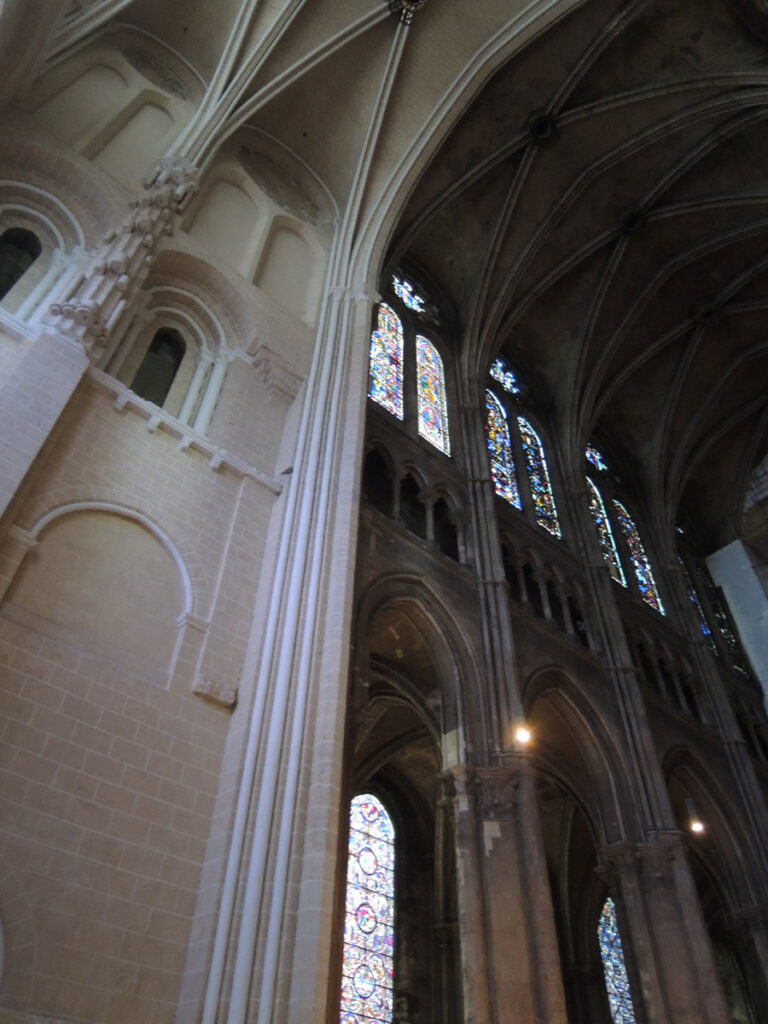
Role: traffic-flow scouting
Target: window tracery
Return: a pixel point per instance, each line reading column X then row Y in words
column 614, row 967
column 367, row 963
column 501, row 373
column 641, row 565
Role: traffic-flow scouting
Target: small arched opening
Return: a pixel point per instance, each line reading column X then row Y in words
column 19, row 248
column 159, row 366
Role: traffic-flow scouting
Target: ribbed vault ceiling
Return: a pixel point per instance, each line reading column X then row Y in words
column 599, row 216
column 595, row 208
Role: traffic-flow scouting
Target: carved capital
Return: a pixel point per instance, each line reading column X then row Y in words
column 652, row 861
column 175, row 179
column 655, row 860
column 404, row 10
column 496, row 793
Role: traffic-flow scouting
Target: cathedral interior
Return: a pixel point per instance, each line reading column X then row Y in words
column 384, row 523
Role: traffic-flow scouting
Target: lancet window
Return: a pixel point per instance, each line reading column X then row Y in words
column 500, row 451
column 605, row 533
column 545, row 509
column 506, row 436
column 432, row 406
column 641, row 565
column 386, row 361
column 614, row 966
column 406, row 371
column 367, row 965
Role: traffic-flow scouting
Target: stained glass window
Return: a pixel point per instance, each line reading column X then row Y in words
column 500, row 451
column 640, row 561
column 595, row 457
column 605, row 533
column 386, row 362
column 505, row 377
column 366, row 974
column 693, row 596
column 404, row 290
column 538, row 474
column 430, row 378
column 614, row 968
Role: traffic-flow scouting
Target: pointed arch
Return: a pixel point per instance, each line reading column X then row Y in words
column 500, row 451
column 545, row 508
column 605, row 533
column 386, row 361
column 641, row 564
column 430, row 392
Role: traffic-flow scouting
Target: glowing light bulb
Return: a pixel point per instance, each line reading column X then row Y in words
column 697, row 826
column 522, row 735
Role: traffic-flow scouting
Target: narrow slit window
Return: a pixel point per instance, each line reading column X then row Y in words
column 367, row 964
column 500, row 451
column 614, row 967
column 641, row 564
column 386, row 362
column 538, row 474
column 605, row 533
column 433, row 411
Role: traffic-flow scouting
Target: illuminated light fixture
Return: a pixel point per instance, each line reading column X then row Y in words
column 522, row 735
column 695, row 824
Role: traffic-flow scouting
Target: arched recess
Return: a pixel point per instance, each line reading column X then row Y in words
column 406, row 725
column 291, row 267
column 137, row 139
column 82, row 553
column 226, row 218
column 728, row 873
column 51, row 230
column 94, row 94
column 585, row 805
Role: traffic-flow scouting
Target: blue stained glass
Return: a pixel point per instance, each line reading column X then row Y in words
column 595, row 457
column 433, row 410
column 505, row 377
column 693, row 596
column 500, row 451
column 640, row 562
column 404, row 290
column 538, row 474
column 386, row 362
column 614, row 968
column 367, row 967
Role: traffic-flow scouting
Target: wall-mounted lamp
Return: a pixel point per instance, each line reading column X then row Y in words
column 522, row 735
column 695, row 824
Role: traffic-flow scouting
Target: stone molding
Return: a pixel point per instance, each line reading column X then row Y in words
column 404, row 10
column 278, row 377
column 223, row 694
column 127, row 400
